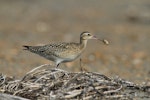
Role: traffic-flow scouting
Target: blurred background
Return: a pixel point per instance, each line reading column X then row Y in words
column 125, row 23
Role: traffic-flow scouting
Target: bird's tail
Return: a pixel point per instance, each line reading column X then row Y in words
column 26, row 47
column 34, row 49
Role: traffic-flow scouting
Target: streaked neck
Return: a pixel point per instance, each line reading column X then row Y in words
column 83, row 43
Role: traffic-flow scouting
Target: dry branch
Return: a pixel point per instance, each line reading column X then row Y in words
column 48, row 83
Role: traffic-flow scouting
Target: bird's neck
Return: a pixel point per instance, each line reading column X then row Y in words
column 83, row 43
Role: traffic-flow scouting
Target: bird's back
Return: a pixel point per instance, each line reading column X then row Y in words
column 54, row 51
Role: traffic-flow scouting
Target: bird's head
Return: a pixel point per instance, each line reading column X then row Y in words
column 87, row 35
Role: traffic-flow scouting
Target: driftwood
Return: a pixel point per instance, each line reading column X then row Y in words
column 10, row 97
column 45, row 83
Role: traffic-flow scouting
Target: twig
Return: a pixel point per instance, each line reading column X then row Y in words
column 73, row 79
column 34, row 70
column 73, row 94
column 112, row 91
column 2, row 79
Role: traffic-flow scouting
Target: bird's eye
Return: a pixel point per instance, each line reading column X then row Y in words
column 88, row 34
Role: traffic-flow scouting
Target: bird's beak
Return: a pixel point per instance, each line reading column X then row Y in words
column 94, row 37
column 102, row 40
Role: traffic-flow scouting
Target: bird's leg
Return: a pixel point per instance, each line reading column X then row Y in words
column 57, row 65
column 60, row 70
column 81, row 67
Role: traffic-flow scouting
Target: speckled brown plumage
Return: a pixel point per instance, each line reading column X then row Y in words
column 62, row 52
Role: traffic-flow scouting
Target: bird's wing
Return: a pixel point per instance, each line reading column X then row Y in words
column 59, row 49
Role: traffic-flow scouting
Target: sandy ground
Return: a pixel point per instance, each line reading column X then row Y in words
column 125, row 23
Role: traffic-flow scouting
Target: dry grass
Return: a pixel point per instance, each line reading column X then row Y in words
column 45, row 83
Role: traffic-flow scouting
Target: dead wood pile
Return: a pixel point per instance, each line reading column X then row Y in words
column 44, row 83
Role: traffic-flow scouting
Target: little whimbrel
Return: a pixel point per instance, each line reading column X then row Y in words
column 63, row 52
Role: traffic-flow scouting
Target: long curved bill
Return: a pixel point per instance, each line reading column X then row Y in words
column 106, row 42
